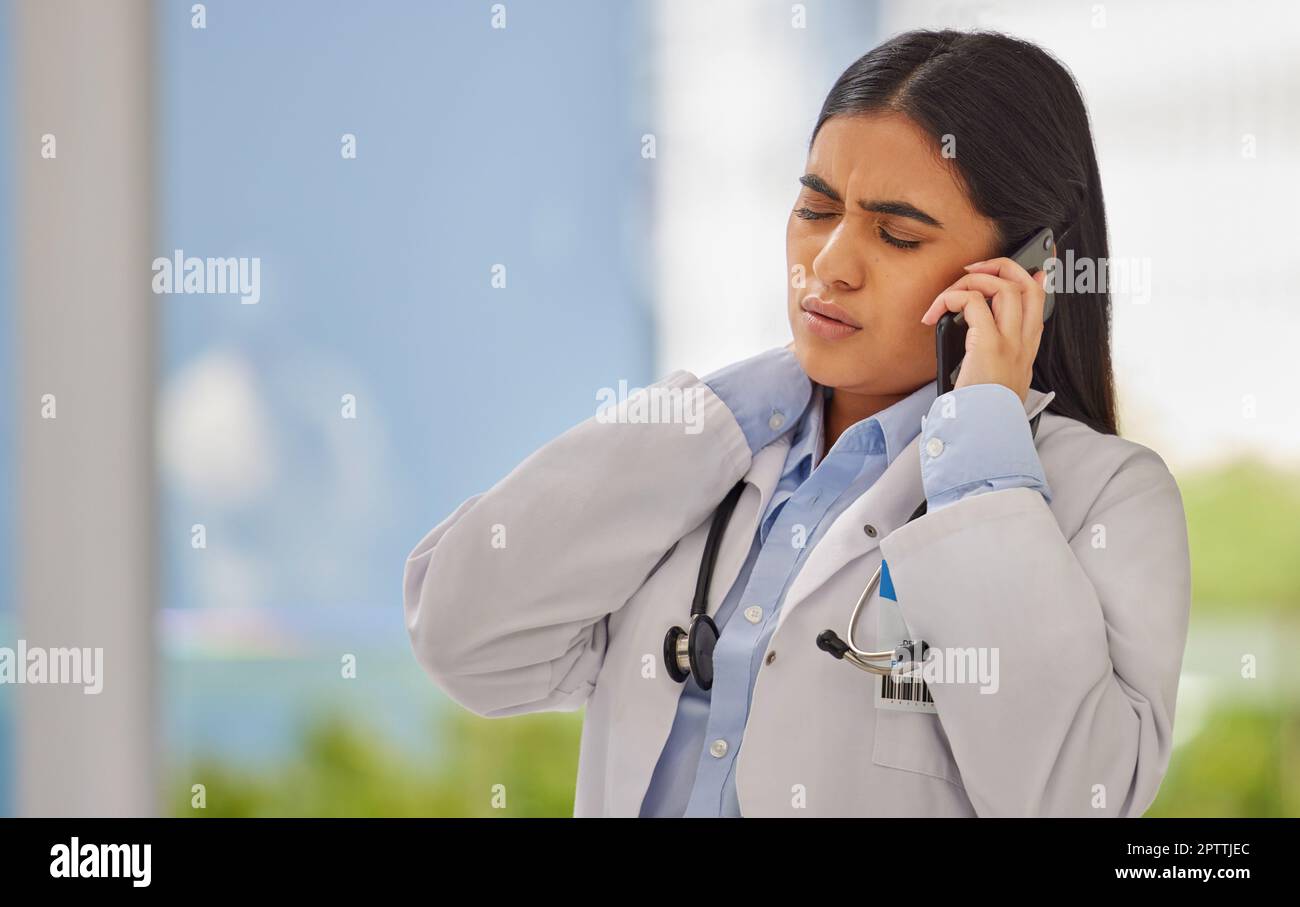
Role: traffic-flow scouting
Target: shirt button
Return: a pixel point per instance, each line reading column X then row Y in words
column 771, row 656
column 753, row 614
column 777, row 420
column 934, row 447
column 718, row 748
column 869, row 530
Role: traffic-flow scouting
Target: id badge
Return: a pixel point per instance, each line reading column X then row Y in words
column 903, row 689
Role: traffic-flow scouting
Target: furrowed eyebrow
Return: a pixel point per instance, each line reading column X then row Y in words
column 895, row 208
column 818, row 185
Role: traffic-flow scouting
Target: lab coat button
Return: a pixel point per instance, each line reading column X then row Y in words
column 869, row 530
column 771, row 656
column 934, row 447
column 753, row 614
column 777, row 420
column 718, row 748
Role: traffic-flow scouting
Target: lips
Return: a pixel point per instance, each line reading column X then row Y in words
column 830, row 310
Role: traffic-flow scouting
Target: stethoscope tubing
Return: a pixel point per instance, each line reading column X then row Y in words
column 860, row 658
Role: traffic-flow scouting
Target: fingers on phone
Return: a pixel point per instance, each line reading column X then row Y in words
column 1006, row 296
column 1009, row 269
column 971, row 302
column 945, row 302
column 1002, row 267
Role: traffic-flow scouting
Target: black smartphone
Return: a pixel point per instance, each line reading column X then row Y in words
column 950, row 331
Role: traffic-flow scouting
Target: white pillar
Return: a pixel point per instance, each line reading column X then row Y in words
column 85, row 324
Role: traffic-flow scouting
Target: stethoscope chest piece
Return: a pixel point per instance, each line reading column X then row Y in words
column 690, row 652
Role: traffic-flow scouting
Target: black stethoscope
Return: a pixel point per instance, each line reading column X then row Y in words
column 689, row 652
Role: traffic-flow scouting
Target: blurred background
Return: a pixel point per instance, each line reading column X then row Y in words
column 469, row 217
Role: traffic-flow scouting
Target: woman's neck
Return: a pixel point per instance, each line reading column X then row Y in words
column 845, row 409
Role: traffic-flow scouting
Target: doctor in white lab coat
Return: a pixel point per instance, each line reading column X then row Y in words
column 554, row 589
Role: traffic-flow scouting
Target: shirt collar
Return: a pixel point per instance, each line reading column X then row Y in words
column 897, row 424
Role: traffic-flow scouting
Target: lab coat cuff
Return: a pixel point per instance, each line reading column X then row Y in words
column 915, row 537
column 977, row 439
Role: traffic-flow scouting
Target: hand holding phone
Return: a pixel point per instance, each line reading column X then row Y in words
column 952, row 326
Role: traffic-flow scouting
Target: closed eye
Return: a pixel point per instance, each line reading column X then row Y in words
column 895, row 241
column 810, row 214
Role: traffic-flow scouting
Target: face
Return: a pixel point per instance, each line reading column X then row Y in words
column 881, row 226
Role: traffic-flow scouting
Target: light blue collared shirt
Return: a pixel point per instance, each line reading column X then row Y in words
column 984, row 445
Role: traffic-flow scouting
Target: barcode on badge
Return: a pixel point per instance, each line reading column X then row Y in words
column 904, row 689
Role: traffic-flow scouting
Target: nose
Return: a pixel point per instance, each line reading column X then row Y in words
column 840, row 264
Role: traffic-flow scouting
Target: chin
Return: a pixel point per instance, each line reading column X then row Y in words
column 834, row 364
column 857, row 367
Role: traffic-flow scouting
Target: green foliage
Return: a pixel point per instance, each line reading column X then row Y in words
column 1243, row 526
column 346, row 770
column 1243, row 763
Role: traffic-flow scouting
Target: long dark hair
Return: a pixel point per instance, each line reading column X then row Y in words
column 1024, row 150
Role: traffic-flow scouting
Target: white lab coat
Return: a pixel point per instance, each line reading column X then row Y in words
column 554, row 589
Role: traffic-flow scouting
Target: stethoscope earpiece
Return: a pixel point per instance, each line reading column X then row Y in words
column 829, row 641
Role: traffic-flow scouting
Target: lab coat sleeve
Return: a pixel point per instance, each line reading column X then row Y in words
column 1089, row 633
column 506, row 599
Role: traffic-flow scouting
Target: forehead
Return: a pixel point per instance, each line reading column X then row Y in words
column 888, row 157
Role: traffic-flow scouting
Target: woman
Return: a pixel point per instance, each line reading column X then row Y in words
column 1054, row 565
